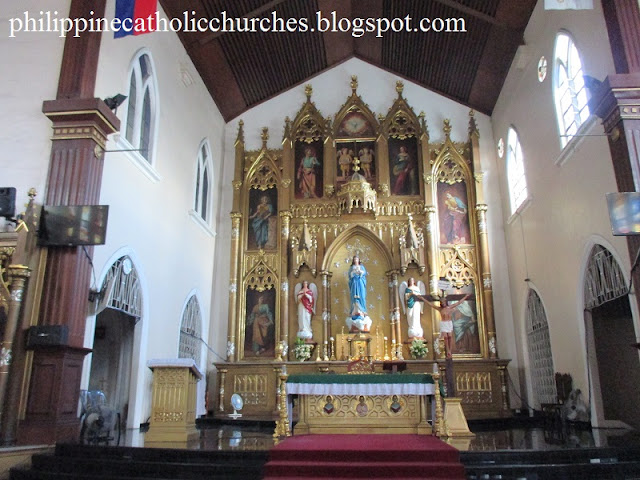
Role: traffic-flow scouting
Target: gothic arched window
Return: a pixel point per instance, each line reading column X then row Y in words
column 204, row 181
column 569, row 90
column 142, row 106
column 515, row 171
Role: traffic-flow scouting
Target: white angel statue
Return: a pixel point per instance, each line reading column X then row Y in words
column 306, row 297
column 412, row 305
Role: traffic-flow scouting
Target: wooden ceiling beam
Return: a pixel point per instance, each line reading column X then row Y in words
column 475, row 13
column 368, row 46
column 337, row 45
column 252, row 14
column 498, row 54
column 219, row 78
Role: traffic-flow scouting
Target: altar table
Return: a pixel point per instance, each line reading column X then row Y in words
column 362, row 403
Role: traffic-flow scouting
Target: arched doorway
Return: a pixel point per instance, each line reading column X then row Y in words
column 540, row 354
column 117, row 315
column 613, row 360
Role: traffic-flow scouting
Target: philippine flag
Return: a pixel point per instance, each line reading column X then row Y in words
column 134, row 17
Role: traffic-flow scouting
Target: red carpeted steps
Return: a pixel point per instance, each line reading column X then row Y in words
column 363, row 456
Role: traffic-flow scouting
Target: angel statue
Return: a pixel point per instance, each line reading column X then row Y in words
column 306, row 296
column 413, row 305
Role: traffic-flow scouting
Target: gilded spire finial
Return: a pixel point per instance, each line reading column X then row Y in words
column 264, row 136
column 399, row 87
column 354, row 84
column 473, row 126
column 240, row 136
column 32, row 193
column 308, row 90
column 287, row 127
column 447, row 127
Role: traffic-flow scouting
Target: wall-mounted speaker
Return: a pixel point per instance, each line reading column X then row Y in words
column 7, row 202
column 47, row 336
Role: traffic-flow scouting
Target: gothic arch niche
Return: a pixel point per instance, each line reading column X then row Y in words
column 309, row 165
column 455, row 234
column 118, row 312
column 260, row 327
column 377, row 260
column 355, row 133
column 610, row 338
column 403, row 134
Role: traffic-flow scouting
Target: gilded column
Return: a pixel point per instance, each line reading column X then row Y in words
column 284, row 270
column 222, row 377
column 17, row 278
column 396, row 313
column 234, row 281
column 326, row 310
column 392, row 316
column 432, row 249
column 486, row 287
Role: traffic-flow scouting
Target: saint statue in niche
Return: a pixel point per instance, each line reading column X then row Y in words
column 358, row 320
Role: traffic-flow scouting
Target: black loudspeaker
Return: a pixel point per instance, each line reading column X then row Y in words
column 47, row 336
column 7, row 202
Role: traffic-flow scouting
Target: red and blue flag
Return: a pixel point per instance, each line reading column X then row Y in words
column 134, row 17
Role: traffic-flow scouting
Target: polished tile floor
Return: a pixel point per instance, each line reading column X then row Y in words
column 508, row 435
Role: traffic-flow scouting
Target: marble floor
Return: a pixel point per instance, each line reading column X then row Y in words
column 508, row 435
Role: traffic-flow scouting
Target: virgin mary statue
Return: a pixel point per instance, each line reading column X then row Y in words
column 358, row 320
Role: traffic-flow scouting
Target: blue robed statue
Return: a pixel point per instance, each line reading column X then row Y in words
column 358, row 320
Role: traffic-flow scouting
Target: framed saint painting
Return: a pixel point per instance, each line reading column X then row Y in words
column 263, row 219
column 466, row 334
column 308, row 173
column 350, row 153
column 260, row 326
column 453, row 213
column 404, row 173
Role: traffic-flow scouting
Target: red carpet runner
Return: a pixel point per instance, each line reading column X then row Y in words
column 363, row 456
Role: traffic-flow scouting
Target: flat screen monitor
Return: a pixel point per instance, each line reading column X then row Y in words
column 624, row 212
column 72, row 225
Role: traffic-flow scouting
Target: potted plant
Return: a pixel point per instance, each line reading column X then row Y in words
column 418, row 348
column 302, row 350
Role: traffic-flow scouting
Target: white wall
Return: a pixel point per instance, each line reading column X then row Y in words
column 30, row 70
column 149, row 214
column 547, row 242
column 377, row 88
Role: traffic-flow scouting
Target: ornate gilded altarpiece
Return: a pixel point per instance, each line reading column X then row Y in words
column 366, row 185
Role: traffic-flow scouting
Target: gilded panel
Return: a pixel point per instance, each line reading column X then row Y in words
column 253, row 388
column 361, row 406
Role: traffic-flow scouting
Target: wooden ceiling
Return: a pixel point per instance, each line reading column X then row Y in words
column 242, row 69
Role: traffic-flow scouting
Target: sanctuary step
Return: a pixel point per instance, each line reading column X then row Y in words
column 363, row 456
column 611, row 463
column 75, row 462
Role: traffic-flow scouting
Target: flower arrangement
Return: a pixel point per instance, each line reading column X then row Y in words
column 418, row 348
column 302, row 350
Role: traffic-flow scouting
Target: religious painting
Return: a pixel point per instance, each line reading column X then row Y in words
column 453, row 213
column 466, row 335
column 355, row 124
column 356, row 155
column 263, row 219
column 260, row 324
column 308, row 169
column 404, row 170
